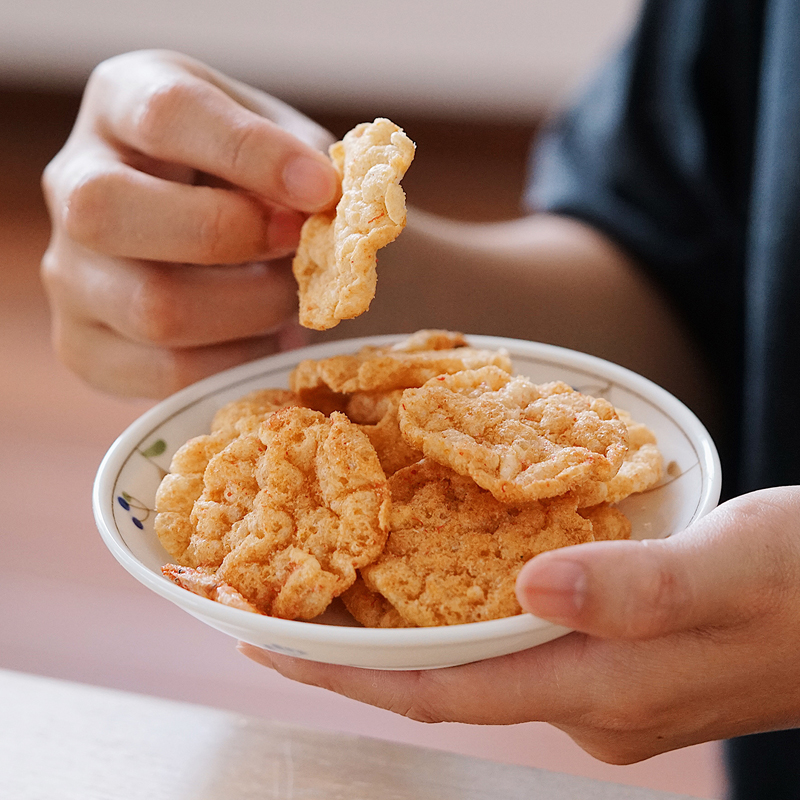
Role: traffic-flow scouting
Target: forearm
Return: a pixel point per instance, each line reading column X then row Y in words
column 542, row 278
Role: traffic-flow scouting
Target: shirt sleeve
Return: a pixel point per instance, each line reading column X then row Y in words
column 656, row 151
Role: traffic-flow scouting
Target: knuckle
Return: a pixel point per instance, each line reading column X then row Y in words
column 155, row 118
column 85, row 212
column 213, row 235
column 239, row 154
column 116, row 71
column 113, row 65
column 665, row 596
column 75, row 348
column 658, row 597
column 155, row 310
column 424, row 703
column 229, row 231
column 49, row 267
column 52, row 273
column 50, row 181
column 104, row 72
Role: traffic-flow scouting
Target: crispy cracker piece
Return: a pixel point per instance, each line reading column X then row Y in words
column 229, row 489
column 430, row 339
column 371, row 609
column 320, row 514
column 202, row 582
column 454, row 551
column 376, row 414
column 183, row 485
column 408, row 363
column 335, row 263
column 180, row 488
column 520, row 441
column 245, row 414
column 607, row 522
column 641, row 469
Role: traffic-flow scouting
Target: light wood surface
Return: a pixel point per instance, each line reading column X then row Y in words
column 67, row 741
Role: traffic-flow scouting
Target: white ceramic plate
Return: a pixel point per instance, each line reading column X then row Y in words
column 130, row 473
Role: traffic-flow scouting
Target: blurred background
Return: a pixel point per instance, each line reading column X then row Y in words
column 471, row 83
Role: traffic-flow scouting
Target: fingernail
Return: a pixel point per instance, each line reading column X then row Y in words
column 310, row 183
column 554, row 589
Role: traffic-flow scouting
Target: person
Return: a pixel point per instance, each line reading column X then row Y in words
column 662, row 235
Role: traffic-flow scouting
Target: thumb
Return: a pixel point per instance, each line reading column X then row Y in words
column 723, row 568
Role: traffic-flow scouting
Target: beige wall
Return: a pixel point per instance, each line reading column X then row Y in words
column 506, row 57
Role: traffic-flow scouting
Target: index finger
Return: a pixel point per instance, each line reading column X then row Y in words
column 170, row 114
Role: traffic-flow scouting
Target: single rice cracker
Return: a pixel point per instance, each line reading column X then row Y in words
column 408, row 363
column 321, row 513
column 184, row 485
column 336, row 260
column 519, row 440
column 454, row 551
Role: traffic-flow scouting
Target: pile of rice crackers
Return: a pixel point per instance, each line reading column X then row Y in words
column 412, row 481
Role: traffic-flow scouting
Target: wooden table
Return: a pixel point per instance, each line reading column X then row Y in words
column 67, row 741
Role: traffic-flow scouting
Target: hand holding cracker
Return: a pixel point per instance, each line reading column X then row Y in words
column 335, row 264
column 171, row 172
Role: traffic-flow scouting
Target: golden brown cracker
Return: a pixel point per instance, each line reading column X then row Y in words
column 454, row 551
column 520, row 441
column 371, row 609
column 607, row 521
column 280, row 507
column 180, row 488
column 246, row 413
column 229, row 488
column 321, row 512
column 641, row 469
column 430, row 339
column 376, row 414
column 398, row 366
column 183, row 485
column 335, row 263
column 203, row 582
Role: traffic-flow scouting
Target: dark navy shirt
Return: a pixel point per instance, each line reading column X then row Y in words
column 685, row 149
